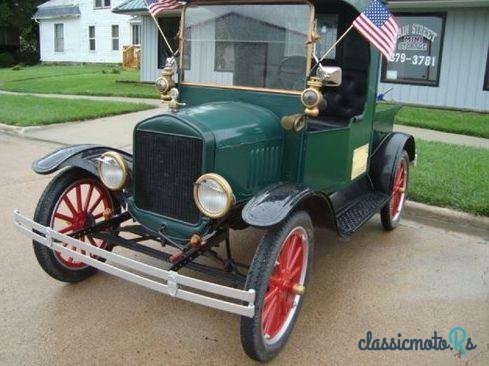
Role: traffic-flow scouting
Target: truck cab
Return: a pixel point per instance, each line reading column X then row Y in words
column 272, row 123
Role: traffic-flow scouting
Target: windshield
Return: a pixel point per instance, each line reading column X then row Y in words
column 262, row 46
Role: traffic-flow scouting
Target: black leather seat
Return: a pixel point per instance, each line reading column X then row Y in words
column 343, row 102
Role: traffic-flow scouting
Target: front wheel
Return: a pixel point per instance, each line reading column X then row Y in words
column 392, row 212
column 278, row 273
column 74, row 200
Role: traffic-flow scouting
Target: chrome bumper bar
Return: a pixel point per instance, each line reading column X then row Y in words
column 147, row 276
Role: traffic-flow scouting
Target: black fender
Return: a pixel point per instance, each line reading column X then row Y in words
column 81, row 156
column 385, row 159
column 273, row 204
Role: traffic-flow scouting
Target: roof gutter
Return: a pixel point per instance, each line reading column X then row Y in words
column 436, row 4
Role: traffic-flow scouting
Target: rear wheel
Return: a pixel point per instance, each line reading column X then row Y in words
column 278, row 273
column 75, row 199
column 392, row 212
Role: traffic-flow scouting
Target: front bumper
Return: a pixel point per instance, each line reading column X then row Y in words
column 175, row 285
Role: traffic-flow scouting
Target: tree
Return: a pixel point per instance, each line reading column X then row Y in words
column 18, row 14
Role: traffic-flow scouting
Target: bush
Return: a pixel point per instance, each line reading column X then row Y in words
column 27, row 57
column 6, row 59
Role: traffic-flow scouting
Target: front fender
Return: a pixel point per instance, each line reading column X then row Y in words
column 271, row 205
column 81, row 156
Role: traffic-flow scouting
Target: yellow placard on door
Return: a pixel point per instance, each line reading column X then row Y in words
column 359, row 161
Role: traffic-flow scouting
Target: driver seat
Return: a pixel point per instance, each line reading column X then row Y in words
column 343, row 102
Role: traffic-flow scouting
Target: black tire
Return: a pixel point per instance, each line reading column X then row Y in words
column 389, row 220
column 44, row 212
column 261, row 269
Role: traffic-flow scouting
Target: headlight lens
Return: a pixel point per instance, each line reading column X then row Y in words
column 213, row 195
column 112, row 170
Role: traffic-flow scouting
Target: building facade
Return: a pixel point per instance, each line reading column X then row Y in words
column 442, row 56
column 84, row 31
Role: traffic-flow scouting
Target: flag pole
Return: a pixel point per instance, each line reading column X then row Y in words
column 335, row 44
column 159, row 28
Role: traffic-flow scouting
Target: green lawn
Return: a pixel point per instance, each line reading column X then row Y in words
column 82, row 80
column 451, row 176
column 43, row 71
column 466, row 123
column 36, row 111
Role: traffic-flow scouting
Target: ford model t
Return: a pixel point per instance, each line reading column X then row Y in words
column 260, row 132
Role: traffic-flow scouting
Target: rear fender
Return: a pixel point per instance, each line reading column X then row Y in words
column 385, row 159
column 274, row 203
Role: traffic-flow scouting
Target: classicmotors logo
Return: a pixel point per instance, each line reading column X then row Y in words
column 457, row 341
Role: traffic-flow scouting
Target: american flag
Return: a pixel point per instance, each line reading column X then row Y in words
column 379, row 27
column 156, row 7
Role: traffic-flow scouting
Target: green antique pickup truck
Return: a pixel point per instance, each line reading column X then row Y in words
column 261, row 131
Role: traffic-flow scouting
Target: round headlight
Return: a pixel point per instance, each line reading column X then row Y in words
column 213, row 195
column 112, row 170
column 162, row 85
column 311, row 98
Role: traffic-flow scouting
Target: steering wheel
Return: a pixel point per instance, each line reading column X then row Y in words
column 290, row 73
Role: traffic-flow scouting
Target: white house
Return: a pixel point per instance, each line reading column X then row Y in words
column 84, row 31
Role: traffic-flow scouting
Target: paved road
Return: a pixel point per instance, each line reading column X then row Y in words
column 415, row 280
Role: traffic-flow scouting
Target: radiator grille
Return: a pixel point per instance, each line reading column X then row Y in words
column 166, row 167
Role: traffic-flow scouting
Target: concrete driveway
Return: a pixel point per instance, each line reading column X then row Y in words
column 418, row 279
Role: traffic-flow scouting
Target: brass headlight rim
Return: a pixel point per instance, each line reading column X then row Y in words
column 122, row 163
column 318, row 99
column 227, row 190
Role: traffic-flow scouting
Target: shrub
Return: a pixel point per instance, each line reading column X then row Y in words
column 6, row 59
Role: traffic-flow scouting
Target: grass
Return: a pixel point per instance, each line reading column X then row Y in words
column 465, row 123
column 451, row 176
column 44, row 71
column 81, row 80
column 35, row 111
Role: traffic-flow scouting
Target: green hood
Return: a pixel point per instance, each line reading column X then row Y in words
column 232, row 132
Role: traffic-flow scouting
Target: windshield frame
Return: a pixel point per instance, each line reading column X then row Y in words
column 309, row 43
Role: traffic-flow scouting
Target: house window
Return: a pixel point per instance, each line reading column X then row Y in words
column 59, row 40
column 115, row 38
column 486, row 79
column 417, row 58
column 100, row 4
column 91, row 38
column 136, row 34
column 224, row 59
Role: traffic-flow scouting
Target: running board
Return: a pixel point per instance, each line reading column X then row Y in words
column 175, row 285
column 361, row 210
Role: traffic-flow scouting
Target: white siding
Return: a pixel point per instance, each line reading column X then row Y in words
column 464, row 59
column 203, row 58
column 76, row 35
column 149, row 50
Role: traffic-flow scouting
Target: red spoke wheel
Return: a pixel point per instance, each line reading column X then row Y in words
column 82, row 204
column 75, row 199
column 278, row 274
column 391, row 213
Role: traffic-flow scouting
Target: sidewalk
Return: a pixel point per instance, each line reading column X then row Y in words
column 155, row 102
column 450, row 138
column 115, row 131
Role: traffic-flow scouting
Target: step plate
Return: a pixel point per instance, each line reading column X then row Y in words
column 360, row 211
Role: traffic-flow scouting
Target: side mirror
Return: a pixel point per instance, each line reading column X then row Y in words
column 329, row 75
